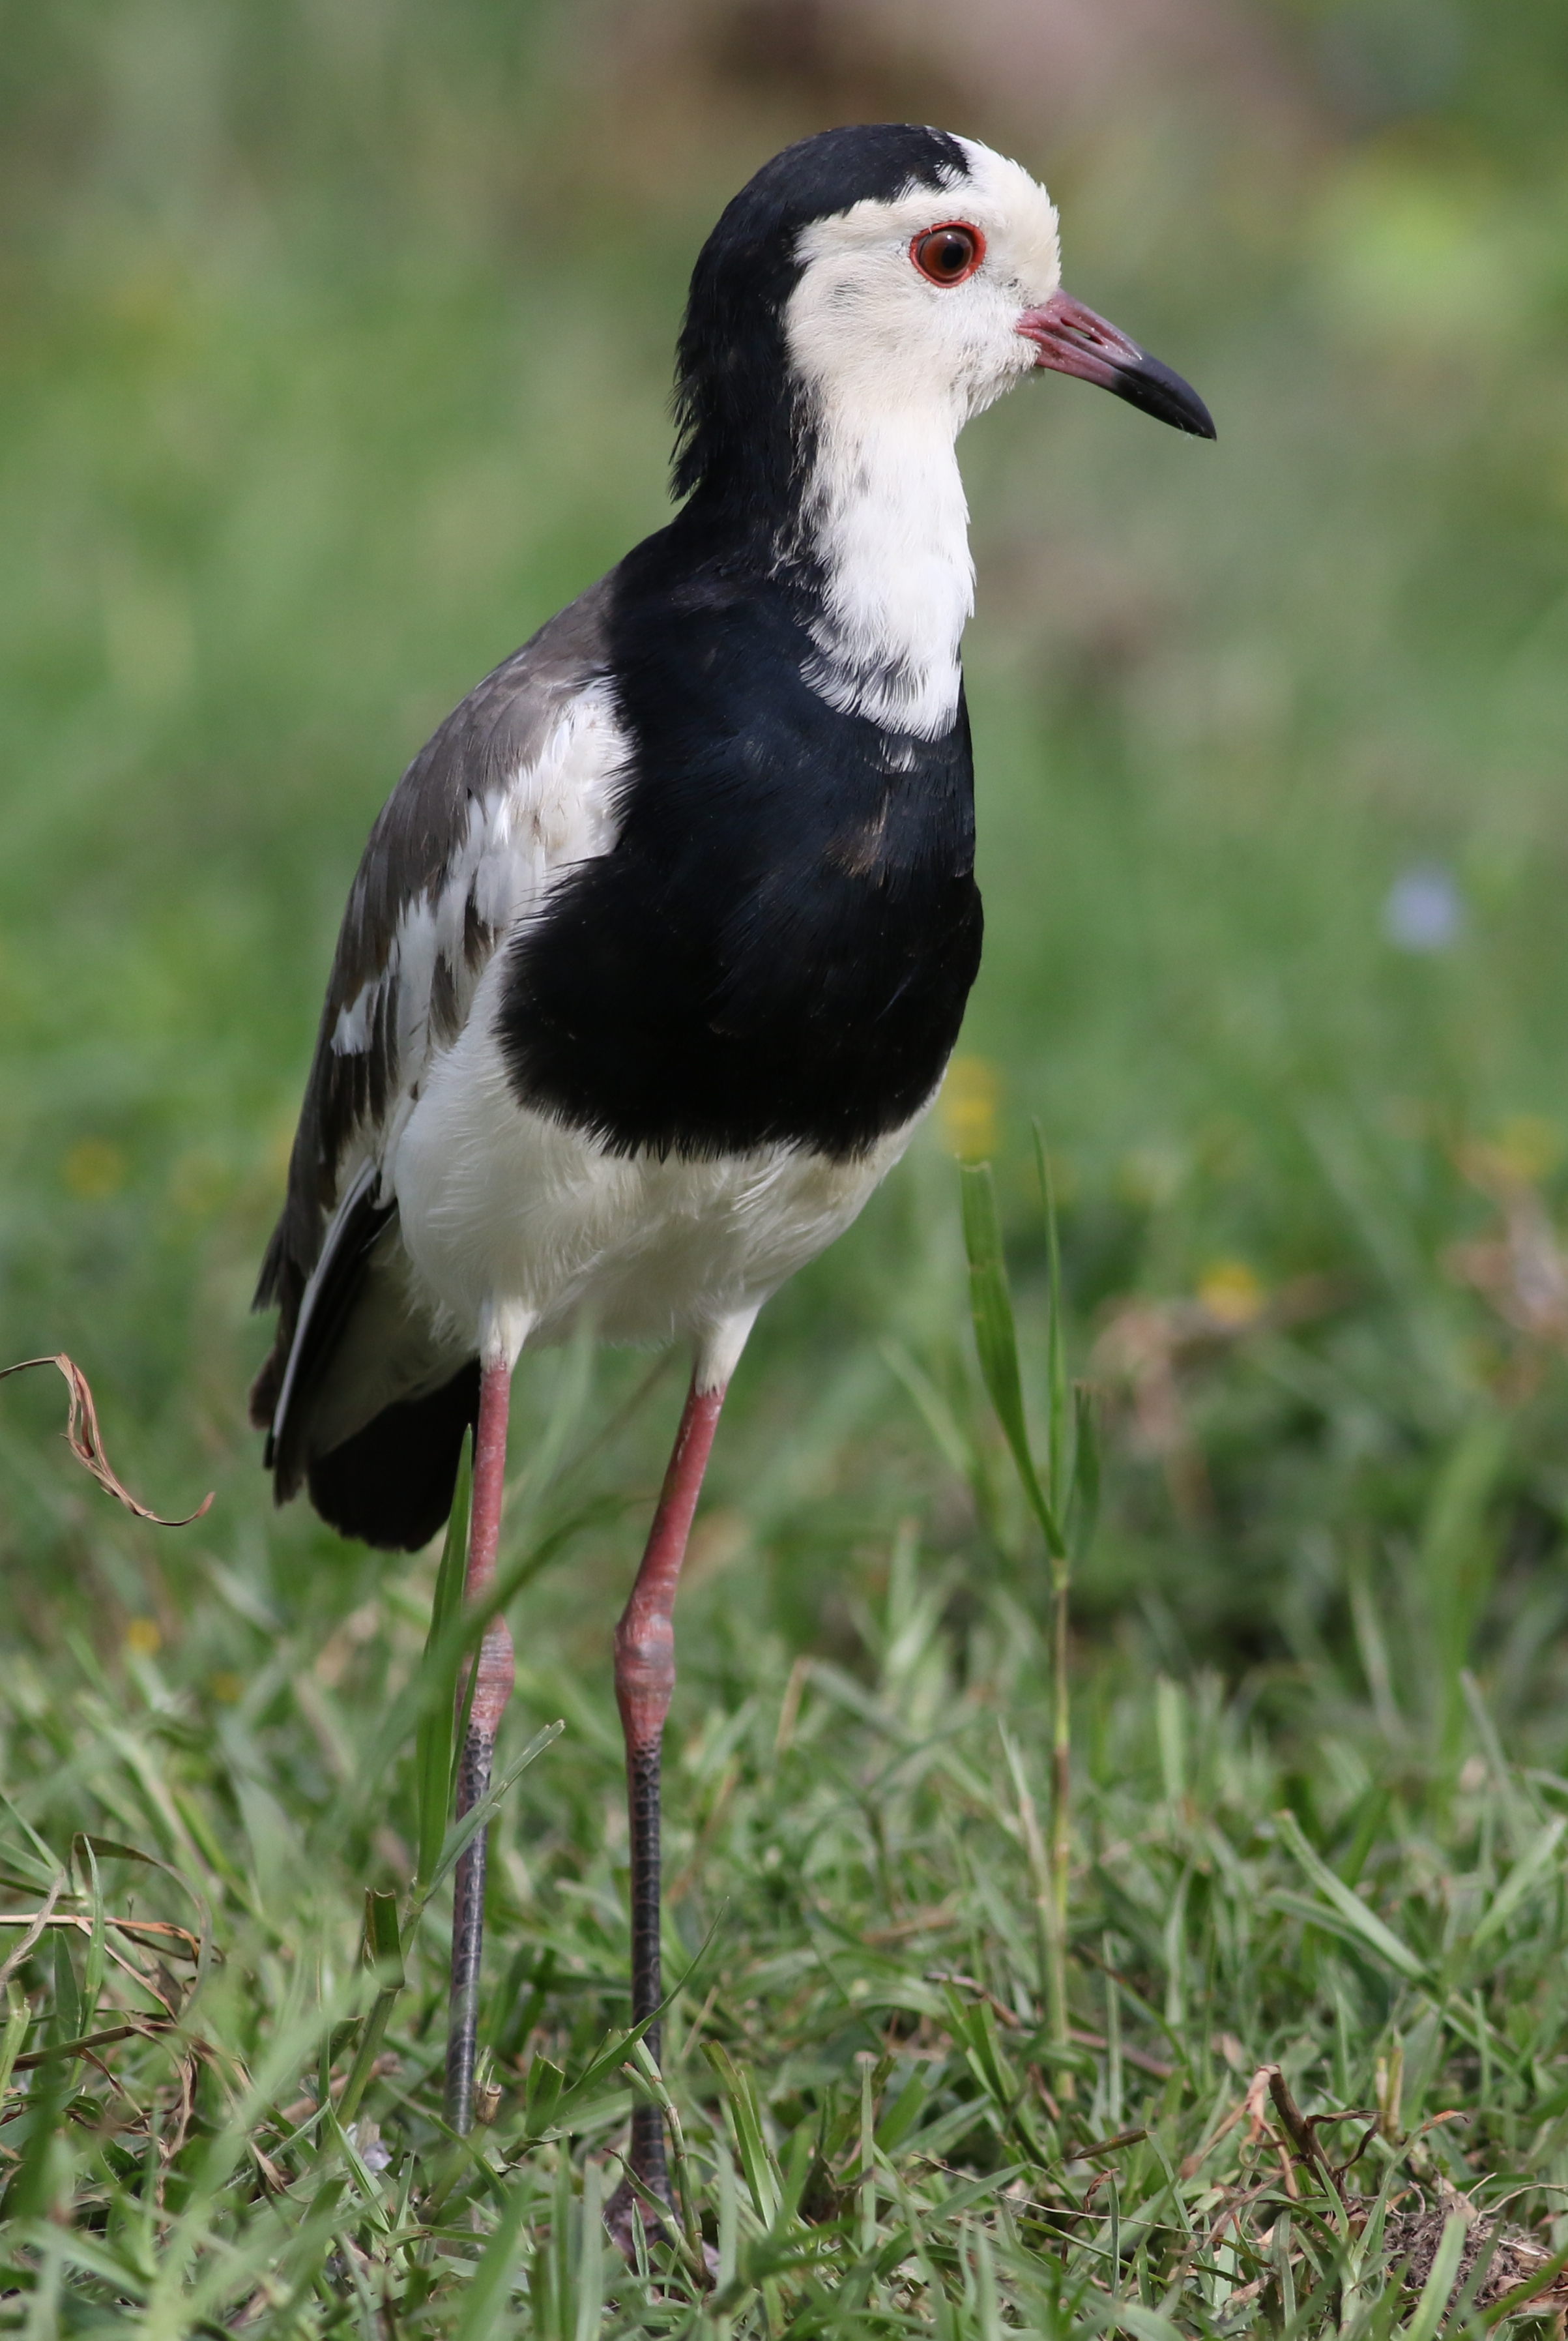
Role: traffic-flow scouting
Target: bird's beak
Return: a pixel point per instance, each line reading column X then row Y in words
column 1073, row 340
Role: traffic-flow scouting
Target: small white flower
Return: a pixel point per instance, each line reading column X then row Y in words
column 1424, row 910
column 365, row 2137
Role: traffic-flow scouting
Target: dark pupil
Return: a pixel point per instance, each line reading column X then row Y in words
column 949, row 254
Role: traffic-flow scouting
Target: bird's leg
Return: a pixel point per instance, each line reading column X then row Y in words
column 492, row 1690
column 644, row 1679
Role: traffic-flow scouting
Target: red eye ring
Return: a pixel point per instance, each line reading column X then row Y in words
column 949, row 253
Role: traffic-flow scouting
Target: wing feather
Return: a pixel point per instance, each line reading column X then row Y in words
column 516, row 783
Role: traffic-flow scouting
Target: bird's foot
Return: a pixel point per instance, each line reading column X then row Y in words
column 637, row 2217
column 630, row 2213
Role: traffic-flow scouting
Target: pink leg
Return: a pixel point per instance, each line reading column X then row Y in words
column 492, row 1690
column 644, row 1679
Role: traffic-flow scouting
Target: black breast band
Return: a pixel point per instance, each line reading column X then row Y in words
column 782, row 942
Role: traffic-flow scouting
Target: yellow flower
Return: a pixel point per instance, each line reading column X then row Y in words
column 142, row 1637
column 1231, row 1292
column 93, row 1170
column 228, row 1688
column 967, row 1108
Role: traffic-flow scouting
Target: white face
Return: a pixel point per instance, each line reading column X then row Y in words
column 870, row 328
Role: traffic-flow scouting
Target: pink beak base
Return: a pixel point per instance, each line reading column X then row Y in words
column 1072, row 340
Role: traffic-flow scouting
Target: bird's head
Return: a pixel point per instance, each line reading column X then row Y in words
column 876, row 269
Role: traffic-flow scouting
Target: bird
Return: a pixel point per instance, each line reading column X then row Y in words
column 659, row 947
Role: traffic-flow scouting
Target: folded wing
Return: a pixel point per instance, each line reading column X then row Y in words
column 364, row 1394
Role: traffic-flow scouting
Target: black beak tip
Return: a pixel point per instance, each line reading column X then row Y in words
column 1199, row 423
column 1159, row 392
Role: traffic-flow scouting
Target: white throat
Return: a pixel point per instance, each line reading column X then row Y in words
column 885, row 513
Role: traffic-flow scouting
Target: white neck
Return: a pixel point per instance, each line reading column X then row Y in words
column 886, row 515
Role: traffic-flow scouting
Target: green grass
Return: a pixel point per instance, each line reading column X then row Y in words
column 335, row 353
column 1304, row 1875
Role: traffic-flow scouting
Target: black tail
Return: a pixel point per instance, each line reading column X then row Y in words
column 391, row 1485
column 353, row 1364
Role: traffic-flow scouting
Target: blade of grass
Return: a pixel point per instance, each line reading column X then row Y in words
column 1440, row 2276
column 463, row 1832
column 995, row 1336
column 18, row 2018
column 383, row 1953
column 486, row 2295
column 1058, row 1397
column 1365, row 1923
column 1531, row 1866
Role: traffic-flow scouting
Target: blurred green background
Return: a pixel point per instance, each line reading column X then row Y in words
column 334, row 351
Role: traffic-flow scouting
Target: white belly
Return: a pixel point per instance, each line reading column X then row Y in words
column 507, row 1214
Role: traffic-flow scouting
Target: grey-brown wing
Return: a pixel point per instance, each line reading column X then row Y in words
column 456, row 854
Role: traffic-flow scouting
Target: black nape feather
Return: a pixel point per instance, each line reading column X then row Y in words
column 737, row 428
column 391, row 1485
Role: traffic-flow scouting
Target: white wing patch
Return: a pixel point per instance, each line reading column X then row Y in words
column 550, row 814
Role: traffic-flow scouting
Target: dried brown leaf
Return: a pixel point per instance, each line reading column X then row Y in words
column 85, row 1441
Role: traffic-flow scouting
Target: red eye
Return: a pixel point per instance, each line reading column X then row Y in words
column 949, row 254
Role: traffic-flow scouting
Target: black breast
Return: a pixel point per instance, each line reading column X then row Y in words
column 782, row 942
